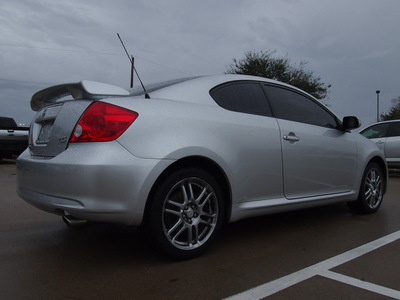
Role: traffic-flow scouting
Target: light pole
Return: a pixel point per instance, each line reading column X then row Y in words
column 377, row 105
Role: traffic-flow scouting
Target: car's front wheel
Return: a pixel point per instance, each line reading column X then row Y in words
column 371, row 190
column 186, row 213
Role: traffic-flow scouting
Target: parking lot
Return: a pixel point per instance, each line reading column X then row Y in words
column 320, row 253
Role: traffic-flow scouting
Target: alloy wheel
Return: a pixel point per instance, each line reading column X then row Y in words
column 373, row 188
column 190, row 213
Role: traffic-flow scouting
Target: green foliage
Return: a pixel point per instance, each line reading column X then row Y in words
column 263, row 64
column 394, row 112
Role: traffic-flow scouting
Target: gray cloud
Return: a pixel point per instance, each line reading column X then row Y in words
column 351, row 44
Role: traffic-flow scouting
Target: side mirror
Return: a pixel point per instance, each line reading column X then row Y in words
column 350, row 123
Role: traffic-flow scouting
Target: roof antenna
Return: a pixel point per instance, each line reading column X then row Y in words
column 132, row 60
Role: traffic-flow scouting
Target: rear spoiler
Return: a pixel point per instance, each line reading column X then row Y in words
column 82, row 90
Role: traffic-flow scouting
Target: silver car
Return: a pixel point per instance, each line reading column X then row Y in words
column 189, row 155
column 387, row 136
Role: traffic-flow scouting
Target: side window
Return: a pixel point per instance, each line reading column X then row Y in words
column 394, row 129
column 290, row 105
column 376, row 131
column 242, row 96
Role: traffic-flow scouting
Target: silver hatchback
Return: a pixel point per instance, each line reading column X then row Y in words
column 192, row 154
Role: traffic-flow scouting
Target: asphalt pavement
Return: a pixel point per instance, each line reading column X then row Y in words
column 319, row 253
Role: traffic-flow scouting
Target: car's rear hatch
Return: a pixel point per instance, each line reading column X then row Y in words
column 59, row 108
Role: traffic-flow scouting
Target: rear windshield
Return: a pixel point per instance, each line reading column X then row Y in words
column 138, row 90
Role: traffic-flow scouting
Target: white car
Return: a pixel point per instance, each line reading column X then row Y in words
column 387, row 136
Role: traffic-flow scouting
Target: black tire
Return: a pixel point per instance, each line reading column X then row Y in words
column 371, row 192
column 186, row 213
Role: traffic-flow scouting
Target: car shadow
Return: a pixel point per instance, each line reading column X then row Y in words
column 120, row 244
column 113, row 242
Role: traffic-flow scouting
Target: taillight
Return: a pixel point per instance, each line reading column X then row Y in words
column 102, row 122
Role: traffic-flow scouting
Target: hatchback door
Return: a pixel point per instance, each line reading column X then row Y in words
column 318, row 159
column 57, row 113
column 53, row 126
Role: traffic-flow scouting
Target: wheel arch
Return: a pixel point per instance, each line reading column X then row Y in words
column 378, row 160
column 205, row 164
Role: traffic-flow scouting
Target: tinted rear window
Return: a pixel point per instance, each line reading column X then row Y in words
column 394, row 129
column 242, row 96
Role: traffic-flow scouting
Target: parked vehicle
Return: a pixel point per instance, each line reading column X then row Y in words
column 189, row 155
column 387, row 136
column 13, row 139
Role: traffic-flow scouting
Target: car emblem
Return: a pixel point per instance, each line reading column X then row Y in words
column 62, row 139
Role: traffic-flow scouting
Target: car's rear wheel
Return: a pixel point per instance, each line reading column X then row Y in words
column 186, row 213
column 371, row 190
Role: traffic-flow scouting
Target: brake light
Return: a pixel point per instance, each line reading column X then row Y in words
column 102, row 122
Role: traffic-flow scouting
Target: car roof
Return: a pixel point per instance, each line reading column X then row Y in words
column 388, row 121
column 379, row 123
column 383, row 122
column 193, row 89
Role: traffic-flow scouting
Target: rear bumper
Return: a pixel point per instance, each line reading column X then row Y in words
column 91, row 181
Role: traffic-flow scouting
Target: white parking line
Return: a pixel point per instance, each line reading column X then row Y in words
column 322, row 269
column 362, row 284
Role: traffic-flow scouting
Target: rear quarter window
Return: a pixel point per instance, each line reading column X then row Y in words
column 394, row 129
column 244, row 97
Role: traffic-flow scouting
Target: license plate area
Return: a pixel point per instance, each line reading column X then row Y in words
column 44, row 124
column 45, row 133
column 52, row 127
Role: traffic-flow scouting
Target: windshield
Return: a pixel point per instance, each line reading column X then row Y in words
column 138, row 90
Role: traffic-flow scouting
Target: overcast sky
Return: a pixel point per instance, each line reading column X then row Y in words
column 352, row 44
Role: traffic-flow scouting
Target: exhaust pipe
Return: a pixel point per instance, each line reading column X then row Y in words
column 72, row 221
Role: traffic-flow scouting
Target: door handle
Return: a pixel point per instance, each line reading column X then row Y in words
column 291, row 137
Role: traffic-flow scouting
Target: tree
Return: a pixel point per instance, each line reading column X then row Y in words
column 280, row 68
column 394, row 112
